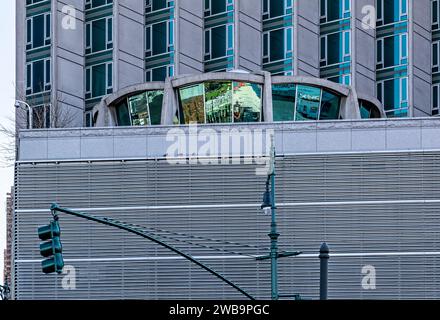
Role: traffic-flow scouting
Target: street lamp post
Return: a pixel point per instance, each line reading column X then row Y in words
column 270, row 205
column 18, row 104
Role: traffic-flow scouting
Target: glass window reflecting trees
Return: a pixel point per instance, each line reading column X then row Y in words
column 143, row 109
column 302, row 103
column 220, row 102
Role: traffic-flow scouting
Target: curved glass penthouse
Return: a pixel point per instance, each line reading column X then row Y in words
column 234, row 97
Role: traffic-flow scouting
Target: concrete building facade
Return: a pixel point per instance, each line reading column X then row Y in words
column 71, row 55
column 369, row 188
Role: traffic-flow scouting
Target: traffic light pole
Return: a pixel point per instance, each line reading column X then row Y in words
column 123, row 226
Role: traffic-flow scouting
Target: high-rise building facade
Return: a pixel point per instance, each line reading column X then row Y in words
column 71, row 55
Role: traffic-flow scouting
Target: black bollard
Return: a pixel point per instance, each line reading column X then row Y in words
column 323, row 282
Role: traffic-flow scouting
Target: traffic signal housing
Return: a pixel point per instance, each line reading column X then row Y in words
column 51, row 248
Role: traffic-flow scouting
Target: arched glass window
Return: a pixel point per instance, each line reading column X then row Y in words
column 368, row 110
column 143, row 109
column 294, row 102
column 220, row 102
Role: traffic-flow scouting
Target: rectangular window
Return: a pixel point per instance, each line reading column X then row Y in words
column 435, row 56
column 159, row 38
column 379, row 51
column 393, row 51
column 99, row 80
column 38, row 31
column 333, row 10
column 99, row 35
column 435, row 14
column 219, row 42
column 41, row 117
column 38, row 76
column 156, row 5
column 217, row 7
column 435, row 99
column 335, row 48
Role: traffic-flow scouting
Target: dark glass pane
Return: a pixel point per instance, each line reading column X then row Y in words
column 277, row 45
column 38, row 76
column 98, row 35
column 98, row 80
column 391, row 11
column 159, row 4
column 276, row 8
column 138, row 107
column 218, row 42
column 246, row 102
column 122, row 114
column 97, row 3
column 368, row 110
column 389, row 95
column 334, row 10
column 283, row 96
column 435, row 54
column 218, row 102
column 159, row 38
column 365, row 113
column 160, row 74
column 218, row 6
column 192, row 104
column 435, row 98
column 38, row 31
column 308, row 103
column 391, row 47
column 155, row 100
column 334, row 51
column 330, row 104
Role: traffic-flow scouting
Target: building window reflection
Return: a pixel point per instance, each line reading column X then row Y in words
column 220, row 102
column 143, row 109
column 283, row 97
column 302, row 103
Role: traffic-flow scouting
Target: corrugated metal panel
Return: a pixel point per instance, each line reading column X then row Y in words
column 370, row 227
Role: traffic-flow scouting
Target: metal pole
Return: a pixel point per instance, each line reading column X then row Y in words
column 273, row 232
column 29, row 112
column 323, row 282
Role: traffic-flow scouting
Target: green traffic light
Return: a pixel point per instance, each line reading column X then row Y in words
column 54, row 264
column 49, row 231
column 51, row 249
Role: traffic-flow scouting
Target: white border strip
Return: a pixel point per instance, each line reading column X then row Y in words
column 245, row 205
column 238, row 257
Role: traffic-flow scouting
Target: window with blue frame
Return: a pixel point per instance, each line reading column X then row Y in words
column 38, row 31
column 391, row 11
column 99, row 35
column 215, row 7
column 159, row 38
column 335, row 48
column 333, row 10
column 90, row 4
column 276, row 8
column 393, row 94
column 277, row 44
column 156, row 5
column 219, row 42
column 392, row 51
column 99, row 80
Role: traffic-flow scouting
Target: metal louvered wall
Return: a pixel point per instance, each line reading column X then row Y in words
column 378, row 209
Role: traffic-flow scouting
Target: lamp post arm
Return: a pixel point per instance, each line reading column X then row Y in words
column 122, row 226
